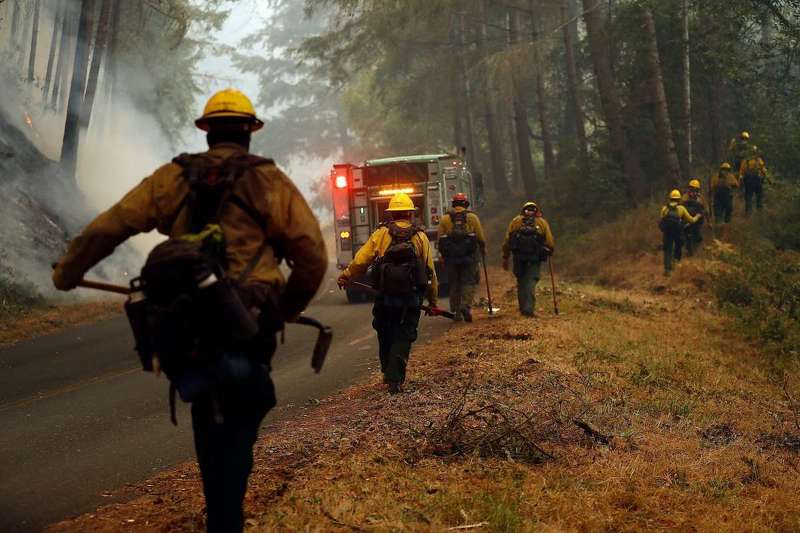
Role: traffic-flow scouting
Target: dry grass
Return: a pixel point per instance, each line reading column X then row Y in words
column 687, row 429
column 49, row 318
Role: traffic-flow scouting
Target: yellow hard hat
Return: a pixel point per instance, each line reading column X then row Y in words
column 230, row 103
column 744, row 135
column 675, row 195
column 725, row 166
column 530, row 205
column 401, row 202
column 694, row 184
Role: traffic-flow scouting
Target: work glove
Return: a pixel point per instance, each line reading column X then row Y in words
column 505, row 264
column 63, row 282
column 342, row 281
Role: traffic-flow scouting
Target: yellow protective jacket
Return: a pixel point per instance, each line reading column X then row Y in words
column 753, row 165
column 376, row 246
column 682, row 213
column 156, row 203
column 516, row 223
column 473, row 225
column 700, row 199
column 725, row 178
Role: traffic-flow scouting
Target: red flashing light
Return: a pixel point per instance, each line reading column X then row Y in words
column 341, row 182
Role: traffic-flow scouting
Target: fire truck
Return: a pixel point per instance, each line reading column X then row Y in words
column 361, row 195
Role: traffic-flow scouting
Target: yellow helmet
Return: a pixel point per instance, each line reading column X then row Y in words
column 530, row 205
column 725, row 166
column 401, row 202
column 694, row 184
column 229, row 103
column 675, row 195
column 744, row 135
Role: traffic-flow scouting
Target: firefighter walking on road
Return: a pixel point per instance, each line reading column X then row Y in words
column 250, row 217
column 400, row 260
column 461, row 240
column 530, row 242
column 671, row 223
column 695, row 204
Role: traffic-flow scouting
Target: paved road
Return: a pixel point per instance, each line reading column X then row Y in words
column 79, row 418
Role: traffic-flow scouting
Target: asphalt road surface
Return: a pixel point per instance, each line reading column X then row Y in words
column 80, row 420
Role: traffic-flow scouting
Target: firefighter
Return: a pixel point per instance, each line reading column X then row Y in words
column 531, row 242
column 752, row 173
column 399, row 258
column 461, row 240
column 671, row 222
column 695, row 204
column 225, row 427
column 722, row 185
column 739, row 149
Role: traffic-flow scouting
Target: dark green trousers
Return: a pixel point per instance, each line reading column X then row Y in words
column 723, row 206
column 527, row 272
column 225, row 448
column 397, row 330
column 673, row 248
column 753, row 187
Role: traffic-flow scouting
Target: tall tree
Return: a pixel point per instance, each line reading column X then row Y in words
column 609, row 97
column 574, row 91
column 488, row 97
column 34, row 40
column 541, row 94
column 51, row 55
column 60, row 77
column 69, row 148
column 687, row 88
column 521, row 142
column 466, row 100
column 100, row 38
column 659, row 98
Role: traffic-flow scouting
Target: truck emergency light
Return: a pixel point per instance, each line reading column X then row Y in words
column 341, row 182
column 392, row 192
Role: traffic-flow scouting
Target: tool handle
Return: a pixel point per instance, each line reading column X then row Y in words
column 553, row 283
column 486, row 278
column 107, row 287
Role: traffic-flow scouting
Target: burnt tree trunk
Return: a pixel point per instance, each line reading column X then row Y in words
column 465, row 90
column 609, row 97
column 663, row 126
column 687, row 90
column 69, row 148
column 34, row 41
column 101, row 36
column 60, row 77
column 715, row 129
column 51, row 56
column 574, row 91
column 12, row 42
column 495, row 147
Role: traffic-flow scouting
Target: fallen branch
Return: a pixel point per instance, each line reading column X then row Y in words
column 593, row 433
column 469, row 526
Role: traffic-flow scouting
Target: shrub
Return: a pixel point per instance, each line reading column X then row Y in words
column 16, row 297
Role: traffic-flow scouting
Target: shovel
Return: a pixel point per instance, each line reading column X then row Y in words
column 430, row 311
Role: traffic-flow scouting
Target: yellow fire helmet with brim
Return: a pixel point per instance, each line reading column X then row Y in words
column 725, row 166
column 675, row 195
column 229, row 103
column 401, row 202
column 745, row 135
column 694, row 184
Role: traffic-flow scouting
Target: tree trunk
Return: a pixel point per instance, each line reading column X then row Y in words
column 609, row 97
column 495, row 148
column 662, row 121
column 69, row 148
column 101, row 36
column 26, row 37
column 34, row 39
column 51, row 56
column 541, row 99
column 687, row 91
column 574, row 91
column 527, row 172
column 715, row 130
column 465, row 91
column 12, row 35
column 60, row 78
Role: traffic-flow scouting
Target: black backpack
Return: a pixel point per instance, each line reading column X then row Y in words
column 529, row 240
column 184, row 308
column 671, row 221
column 460, row 245
column 693, row 206
column 400, row 271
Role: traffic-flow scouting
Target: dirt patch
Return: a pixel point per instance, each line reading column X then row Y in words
column 46, row 319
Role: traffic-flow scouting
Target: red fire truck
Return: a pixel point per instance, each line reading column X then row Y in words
column 361, row 195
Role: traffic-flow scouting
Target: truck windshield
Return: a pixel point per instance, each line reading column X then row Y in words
column 395, row 174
